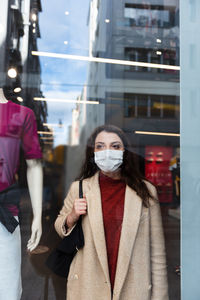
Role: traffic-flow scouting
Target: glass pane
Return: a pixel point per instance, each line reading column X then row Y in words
column 190, row 148
column 66, row 68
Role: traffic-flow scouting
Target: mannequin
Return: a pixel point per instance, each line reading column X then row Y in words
column 12, row 136
column 35, row 183
column 2, row 97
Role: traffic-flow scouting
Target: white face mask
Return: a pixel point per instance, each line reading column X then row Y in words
column 108, row 160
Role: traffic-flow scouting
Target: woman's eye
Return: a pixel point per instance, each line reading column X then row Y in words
column 117, row 146
column 99, row 146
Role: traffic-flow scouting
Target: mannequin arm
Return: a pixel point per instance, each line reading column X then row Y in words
column 35, row 184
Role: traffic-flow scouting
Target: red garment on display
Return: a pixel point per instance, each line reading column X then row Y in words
column 17, row 128
column 157, row 170
column 112, row 197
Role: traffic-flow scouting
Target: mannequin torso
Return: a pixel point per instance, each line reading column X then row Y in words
column 18, row 126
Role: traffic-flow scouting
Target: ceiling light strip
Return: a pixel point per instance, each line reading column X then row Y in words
column 45, row 132
column 49, row 143
column 46, row 138
column 65, row 100
column 157, row 133
column 52, row 125
column 106, row 60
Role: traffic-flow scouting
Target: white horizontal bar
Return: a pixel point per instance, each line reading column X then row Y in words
column 45, row 132
column 65, row 100
column 52, row 125
column 106, row 60
column 157, row 133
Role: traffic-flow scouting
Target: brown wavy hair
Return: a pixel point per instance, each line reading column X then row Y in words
column 129, row 171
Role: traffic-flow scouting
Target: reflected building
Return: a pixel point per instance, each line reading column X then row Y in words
column 136, row 98
column 139, row 99
column 74, row 128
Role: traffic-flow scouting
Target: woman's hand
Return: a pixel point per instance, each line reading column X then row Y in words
column 79, row 208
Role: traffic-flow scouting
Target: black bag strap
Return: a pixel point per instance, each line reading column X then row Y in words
column 81, row 189
column 80, row 196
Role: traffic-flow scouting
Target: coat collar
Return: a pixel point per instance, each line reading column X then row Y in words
column 130, row 224
column 131, row 218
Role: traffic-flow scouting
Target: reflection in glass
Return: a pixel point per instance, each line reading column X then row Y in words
column 71, row 96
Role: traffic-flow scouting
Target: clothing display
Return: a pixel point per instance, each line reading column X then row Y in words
column 11, row 195
column 17, row 128
column 10, row 264
column 112, row 197
column 157, row 161
column 175, row 170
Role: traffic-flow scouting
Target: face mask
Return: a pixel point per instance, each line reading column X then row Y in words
column 108, row 160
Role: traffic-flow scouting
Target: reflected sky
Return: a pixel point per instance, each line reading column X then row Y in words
column 151, row 41
column 63, row 28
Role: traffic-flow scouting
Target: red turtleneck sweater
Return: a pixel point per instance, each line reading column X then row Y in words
column 112, row 197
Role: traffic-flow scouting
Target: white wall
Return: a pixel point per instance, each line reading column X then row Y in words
column 190, row 149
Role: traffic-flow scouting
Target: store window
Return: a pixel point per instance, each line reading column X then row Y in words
column 149, row 15
column 67, row 68
column 156, row 56
column 159, row 106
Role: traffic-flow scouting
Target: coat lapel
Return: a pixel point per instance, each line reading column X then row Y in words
column 93, row 197
column 132, row 213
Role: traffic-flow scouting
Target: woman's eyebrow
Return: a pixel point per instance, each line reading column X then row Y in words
column 99, row 143
column 117, row 142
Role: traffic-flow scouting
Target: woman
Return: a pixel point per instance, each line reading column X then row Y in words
column 124, row 254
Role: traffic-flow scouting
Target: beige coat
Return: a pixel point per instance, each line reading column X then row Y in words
column 141, row 266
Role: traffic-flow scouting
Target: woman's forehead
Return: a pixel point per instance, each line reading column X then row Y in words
column 107, row 137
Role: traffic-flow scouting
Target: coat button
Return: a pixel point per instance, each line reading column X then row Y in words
column 75, row 276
